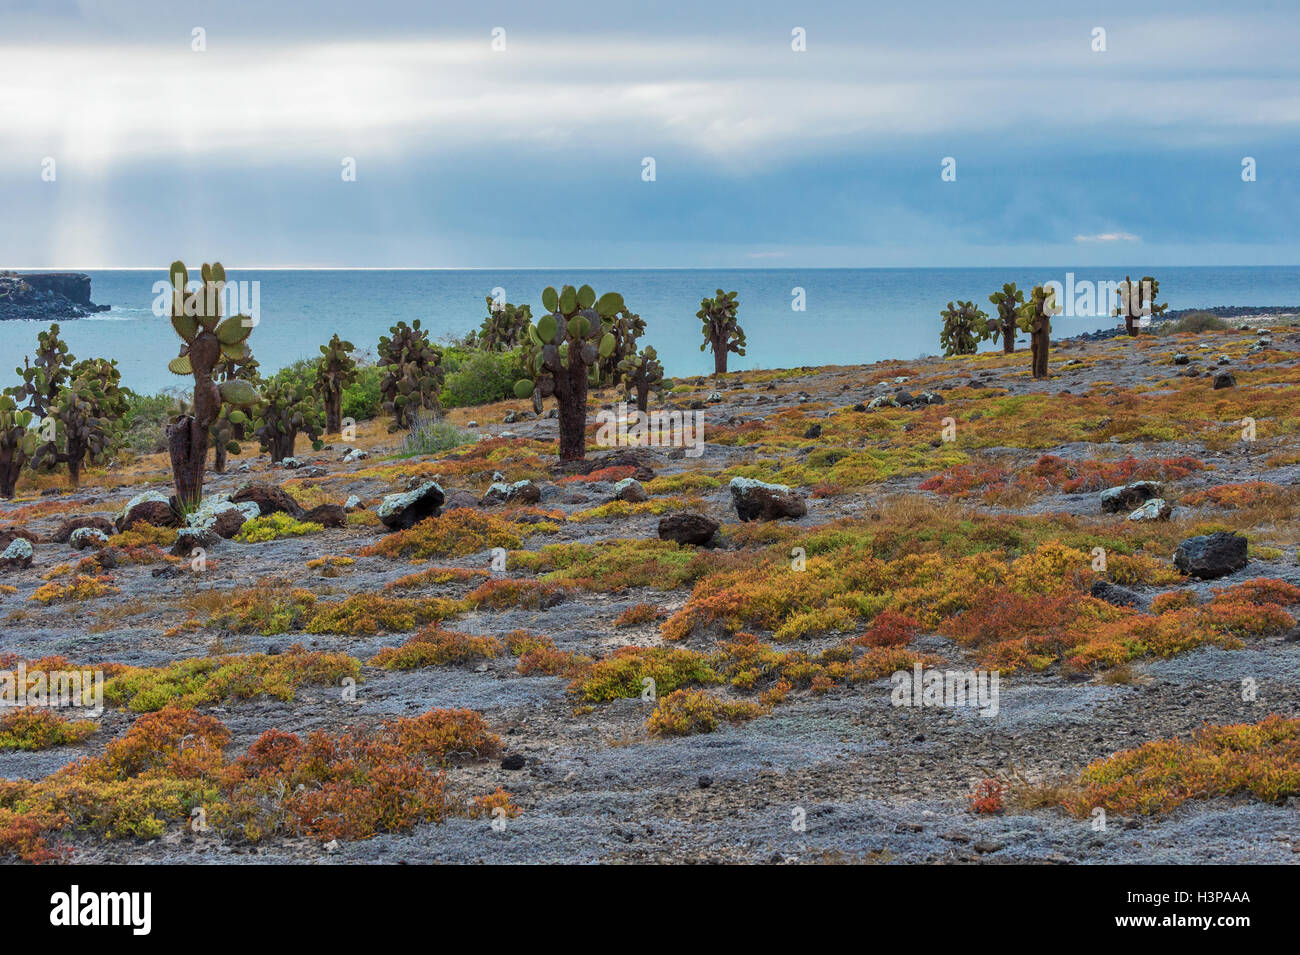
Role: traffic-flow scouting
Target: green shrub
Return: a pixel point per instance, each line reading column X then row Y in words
column 482, row 377
column 1199, row 322
column 145, row 422
column 430, row 436
column 362, row 400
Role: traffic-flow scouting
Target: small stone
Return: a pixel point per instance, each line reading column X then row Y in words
column 688, row 528
column 514, row 761
column 756, row 500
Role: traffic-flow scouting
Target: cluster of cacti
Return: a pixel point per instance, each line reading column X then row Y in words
column 626, row 327
column 84, row 422
column 1036, row 318
column 1137, row 300
column 206, row 340
column 1009, row 302
column 413, row 373
column 231, row 425
column 335, row 371
column 17, row 443
column 505, row 325
column 43, row 378
column 642, row 372
column 964, row 327
column 718, row 318
column 568, row 345
column 287, row 407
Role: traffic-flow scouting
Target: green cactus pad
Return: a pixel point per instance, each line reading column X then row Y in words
column 550, row 300
column 180, row 366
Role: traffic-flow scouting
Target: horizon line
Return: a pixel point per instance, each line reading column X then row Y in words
column 608, row 268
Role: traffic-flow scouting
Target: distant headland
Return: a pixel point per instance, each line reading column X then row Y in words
column 46, row 296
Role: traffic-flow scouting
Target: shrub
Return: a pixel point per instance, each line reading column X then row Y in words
column 431, row 436
column 484, row 377
column 434, row 647
column 363, row 400
column 684, row 712
column 38, row 727
column 1199, row 322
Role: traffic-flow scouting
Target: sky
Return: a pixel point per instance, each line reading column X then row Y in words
column 491, row 134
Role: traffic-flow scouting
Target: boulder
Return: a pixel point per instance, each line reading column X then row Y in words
column 151, row 507
column 687, row 527
column 1156, row 509
column 1128, row 496
column 84, row 537
column 1116, row 595
column 521, row 492
column 16, row 531
column 190, row 538
column 227, row 524
column 1211, row 555
column 1181, row 359
column 630, row 490
column 269, row 498
column 755, row 500
column 17, row 554
column 401, row 511
column 1225, row 379
column 64, row 533
column 327, row 515
column 459, row 498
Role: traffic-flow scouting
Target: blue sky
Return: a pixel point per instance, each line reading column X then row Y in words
column 532, row 155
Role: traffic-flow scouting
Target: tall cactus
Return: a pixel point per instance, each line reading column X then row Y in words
column 1036, row 318
column 1008, row 302
column 17, row 443
column 413, row 373
column 720, row 330
column 642, row 372
column 87, row 419
column 43, row 378
column 569, row 343
column 205, row 340
column 964, row 327
column 287, row 407
column 626, row 327
column 1138, row 301
column 505, row 325
column 232, row 423
column 335, row 371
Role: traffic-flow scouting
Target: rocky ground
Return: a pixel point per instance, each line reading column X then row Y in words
column 831, row 773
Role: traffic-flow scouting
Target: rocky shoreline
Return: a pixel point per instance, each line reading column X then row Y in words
column 46, row 296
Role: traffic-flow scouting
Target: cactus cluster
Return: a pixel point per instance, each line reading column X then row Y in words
column 568, row 344
column 335, row 371
column 231, row 425
column 505, row 325
column 413, row 373
column 287, row 407
column 964, row 327
column 1137, row 300
column 719, row 327
column 17, row 443
column 206, row 339
column 85, row 420
column 1036, row 318
column 1009, row 302
column 642, row 372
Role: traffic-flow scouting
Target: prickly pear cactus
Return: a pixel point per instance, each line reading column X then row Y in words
column 1036, row 319
column 505, row 325
column 287, row 407
column 413, row 373
column 626, row 327
column 964, row 327
column 720, row 329
column 568, row 344
column 232, row 422
column 641, row 373
column 1008, row 301
column 17, row 443
column 43, row 378
column 335, row 371
column 85, row 421
column 205, row 340
column 1137, row 300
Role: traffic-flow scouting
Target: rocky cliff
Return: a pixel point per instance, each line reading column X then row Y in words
column 46, row 296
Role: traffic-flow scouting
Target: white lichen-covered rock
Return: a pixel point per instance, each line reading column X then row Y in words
column 353, row 503
column 882, row 401
column 400, row 511
column 757, row 500
column 17, row 555
column 629, row 489
column 206, row 514
column 84, row 537
column 1156, row 509
column 290, row 463
column 521, row 492
column 150, row 507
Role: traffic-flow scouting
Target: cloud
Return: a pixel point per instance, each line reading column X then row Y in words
column 1109, row 237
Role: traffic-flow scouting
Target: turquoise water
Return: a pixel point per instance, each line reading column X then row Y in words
column 851, row 316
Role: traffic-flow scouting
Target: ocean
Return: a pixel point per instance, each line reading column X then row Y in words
column 850, row 315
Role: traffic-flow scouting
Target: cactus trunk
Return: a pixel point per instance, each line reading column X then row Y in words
column 571, row 396
column 11, row 466
column 1009, row 335
column 1039, row 340
column 219, row 457
column 187, row 445
column 719, row 358
column 642, row 395
column 281, row 446
column 333, row 412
